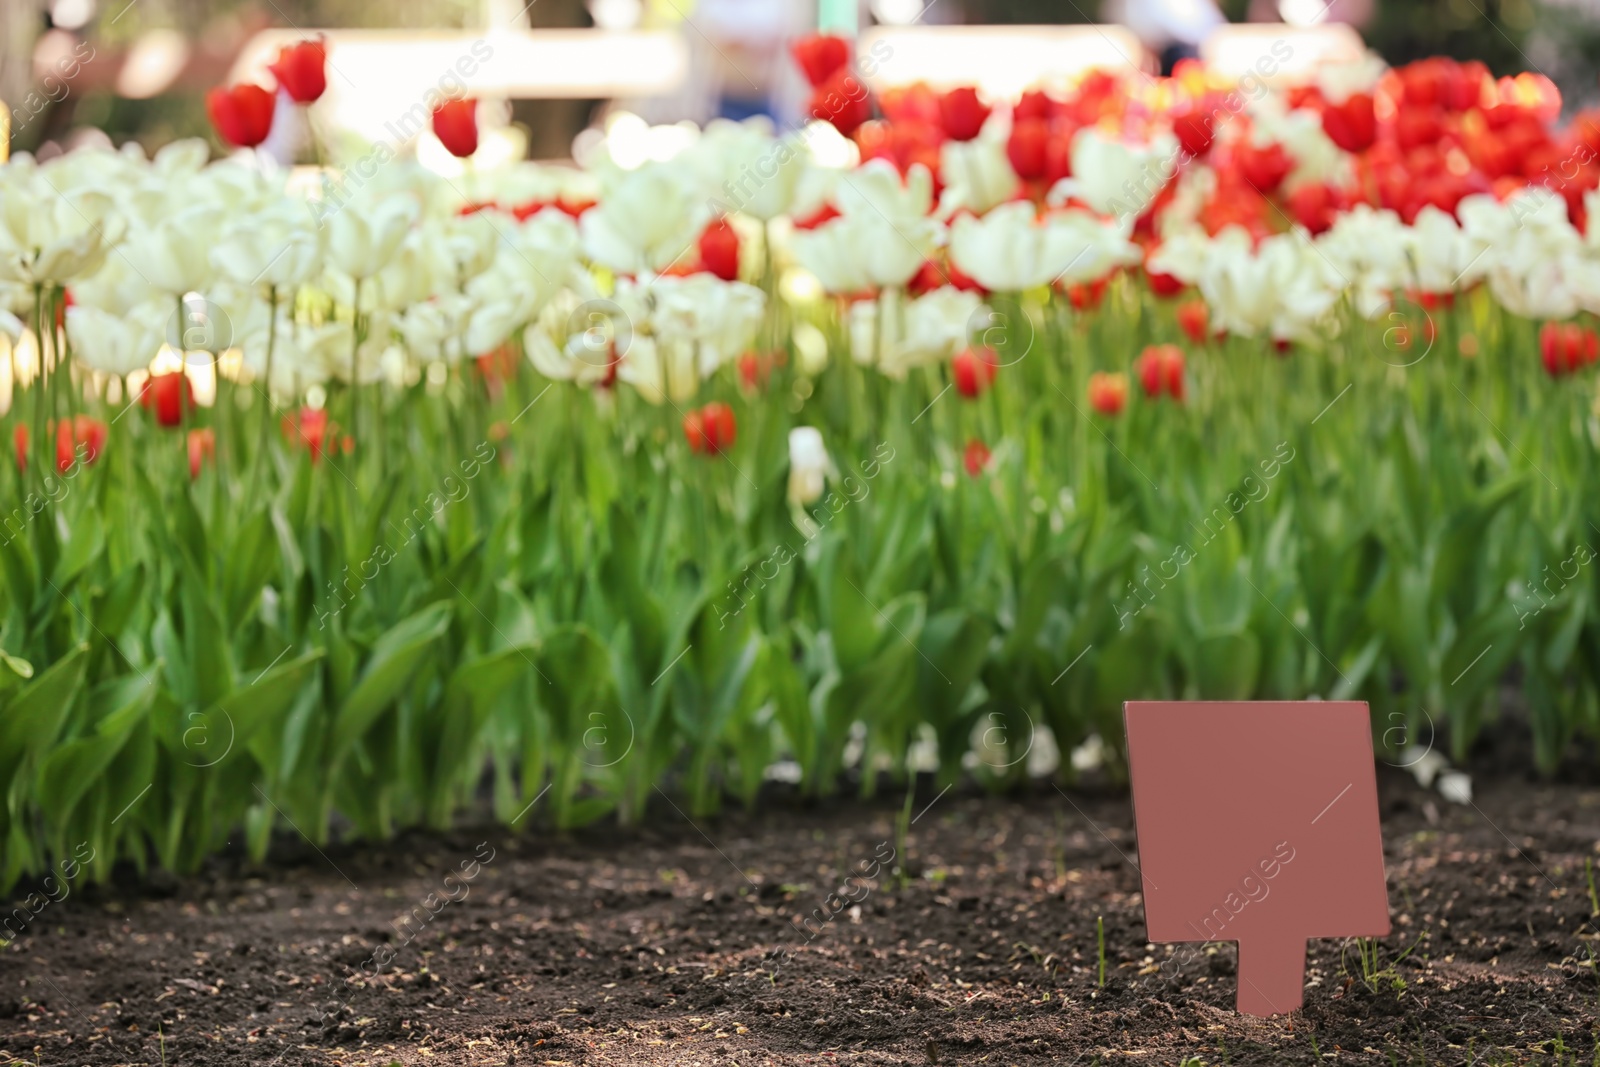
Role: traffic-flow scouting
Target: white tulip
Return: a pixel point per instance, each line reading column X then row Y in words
column 808, row 466
column 1283, row 288
column 115, row 343
column 1455, row 787
column 977, row 174
column 280, row 246
column 47, row 238
column 1439, row 251
column 175, row 254
column 1368, row 248
column 1010, row 249
column 659, row 371
column 717, row 319
column 742, row 167
column 363, row 237
column 896, row 335
column 1114, row 177
column 648, row 220
column 863, row 251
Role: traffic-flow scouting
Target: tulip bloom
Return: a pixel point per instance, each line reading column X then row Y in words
column 242, row 114
column 302, row 71
column 719, row 250
column 756, row 367
column 1195, row 320
column 311, row 427
column 1263, row 168
column 1195, row 130
column 711, row 430
column 1352, row 125
column 962, row 114
column 843, row 101
column 455, row 123
column 976, row 457
column 169, row 395
column 1027, row 148
column 1564, row 347
column 821, row 56
column 19, row 441
column 1160, row 369
column 1108, row 392
column 974, row 369
column 83, row 434
column 202, row 447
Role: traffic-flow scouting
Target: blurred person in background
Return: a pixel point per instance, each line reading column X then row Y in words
column 1170, row 29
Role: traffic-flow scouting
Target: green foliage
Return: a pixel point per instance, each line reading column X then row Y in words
column 566, row 607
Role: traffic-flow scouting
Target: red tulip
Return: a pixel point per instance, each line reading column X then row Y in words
column 719, row 250
column 242, row 114
column 80, row 433
column 841, row 100
column 1027, row 148
column 302, row 71
column 1194, row 318
column 1315, row 206
column 455, row 123
column 202, row 446
column 976, row 457
column 312, row 428
column 1263, row 167
column 821, row 56
column 961, row 113
column 90, row 433
column 169, row 395
column 711, row 430
column 1160, row 370
column 1415, row 127
column 19, row 441
column 1565, row 347
column 1352, row 125
column 1108, row 393
column 1085, row 296
column 974, row 369
column 1195, row 130
column 756, row 367
column 1033, row 104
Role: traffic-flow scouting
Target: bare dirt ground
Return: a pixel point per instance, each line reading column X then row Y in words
column 716, row 943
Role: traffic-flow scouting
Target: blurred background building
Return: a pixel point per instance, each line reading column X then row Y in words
column 76, row 70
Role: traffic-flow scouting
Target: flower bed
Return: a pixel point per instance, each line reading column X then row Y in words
column 619, row 479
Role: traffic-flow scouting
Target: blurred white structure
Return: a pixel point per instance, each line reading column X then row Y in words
column 377, row 78
column 1276, row 51
column 1001, row 61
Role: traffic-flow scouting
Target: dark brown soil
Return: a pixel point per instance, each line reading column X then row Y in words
column 679, row 944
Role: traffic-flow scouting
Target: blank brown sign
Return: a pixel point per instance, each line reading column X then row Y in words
column 1258, row 823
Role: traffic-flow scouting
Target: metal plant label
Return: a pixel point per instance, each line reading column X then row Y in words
column 1258, row 823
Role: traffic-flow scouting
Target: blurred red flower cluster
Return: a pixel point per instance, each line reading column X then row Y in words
column 710, row 430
